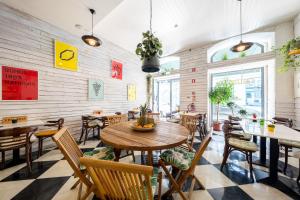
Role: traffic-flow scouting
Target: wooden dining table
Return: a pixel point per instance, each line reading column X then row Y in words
column 280, row 132
column 165, row 135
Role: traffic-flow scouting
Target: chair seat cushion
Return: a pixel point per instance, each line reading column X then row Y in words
column 45, row 133
column 242, row 135
column 95, row 122
column 178, row 158
column 243, row 144
column 289, row 143
column 101, row 153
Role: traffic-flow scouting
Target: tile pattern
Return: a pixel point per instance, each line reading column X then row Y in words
column 51, row 177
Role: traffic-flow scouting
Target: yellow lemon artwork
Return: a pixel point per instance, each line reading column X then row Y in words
column 66, row 56
column 131, row 90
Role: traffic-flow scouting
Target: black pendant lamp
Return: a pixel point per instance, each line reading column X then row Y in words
column 242, row 46
column 152, row 64
column 91, row 39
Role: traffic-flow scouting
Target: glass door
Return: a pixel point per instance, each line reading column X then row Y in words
column 248, row 92
column 166, row 96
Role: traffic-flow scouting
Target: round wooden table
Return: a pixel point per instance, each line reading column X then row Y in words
column 165, row 135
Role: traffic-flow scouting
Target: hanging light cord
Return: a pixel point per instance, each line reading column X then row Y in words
column 92, row 11
column 150, row 16
column 241, row 19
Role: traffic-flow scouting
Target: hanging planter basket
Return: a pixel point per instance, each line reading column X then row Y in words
column 151, row 64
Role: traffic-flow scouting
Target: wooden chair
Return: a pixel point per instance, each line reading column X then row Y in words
column 202, row 126
column 191, row 123
column 114, row 180
column 88, row 124
column 115, row 119
column 43, row 134
column 68, row 146
column 233, row 143
column 184, row 171
column 286, row 144
column 17, row 138
column 155, row 116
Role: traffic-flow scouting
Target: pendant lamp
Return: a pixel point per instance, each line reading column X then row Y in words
column 91, row 39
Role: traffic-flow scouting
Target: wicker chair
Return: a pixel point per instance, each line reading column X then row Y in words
column 191, row 123
column 43, row 134
column 236, row 144
column 114, row 180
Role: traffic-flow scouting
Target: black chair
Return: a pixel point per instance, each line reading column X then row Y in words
column 88, row 124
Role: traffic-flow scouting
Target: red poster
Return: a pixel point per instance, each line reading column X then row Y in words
column 116, row 69
column 19, row 84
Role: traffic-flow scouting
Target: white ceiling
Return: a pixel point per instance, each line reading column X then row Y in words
column 123, row 21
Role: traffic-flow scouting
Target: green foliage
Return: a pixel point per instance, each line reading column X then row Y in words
column 243, row 54
column 149, row 47
column 221, row 94
column 243, row 112
column 143, row 119
column 231, row 105
column 225, row 56
column 290, row 61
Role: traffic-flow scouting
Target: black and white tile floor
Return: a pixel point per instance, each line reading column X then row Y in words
column 51, row 177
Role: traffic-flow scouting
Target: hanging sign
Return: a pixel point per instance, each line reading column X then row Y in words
column 116, row 69
column 19, row 84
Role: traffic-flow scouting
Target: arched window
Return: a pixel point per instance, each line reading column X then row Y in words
column 227, row 54
column 263, row 42
column 169, row 64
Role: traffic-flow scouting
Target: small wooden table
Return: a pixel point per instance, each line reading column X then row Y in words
column 29, row 123
column 165, row 135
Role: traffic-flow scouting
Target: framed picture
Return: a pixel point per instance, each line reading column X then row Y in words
column 131, row 92
column 96, row 89
column 116, row 70
column 66, row 56
column 19, row 84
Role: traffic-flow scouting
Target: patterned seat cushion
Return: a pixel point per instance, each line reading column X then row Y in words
column 178, row 158
column 95, row 122
column 242, row 135
column 243, row 144
column 289, row 143
column 102, row 153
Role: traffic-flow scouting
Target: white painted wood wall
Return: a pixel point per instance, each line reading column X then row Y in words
column 27, row 42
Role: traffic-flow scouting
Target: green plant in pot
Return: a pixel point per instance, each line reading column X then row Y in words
column 149, row 51
column 231, row 105
column 243, row 113
column 290, row 52
column 220, row 95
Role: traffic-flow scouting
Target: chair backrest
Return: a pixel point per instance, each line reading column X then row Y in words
column 115, row 180
column 200, row 151
column 69, row 148
column 15, row 138
column 189, row 122
column 284, row 121
column 155, row 116
column 8, row 120
column 115, row 119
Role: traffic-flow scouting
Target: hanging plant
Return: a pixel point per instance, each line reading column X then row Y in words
column 291, row 54
column 149, row 47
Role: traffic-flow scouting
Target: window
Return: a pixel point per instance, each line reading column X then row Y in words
column 169, row 64
column 227, row 54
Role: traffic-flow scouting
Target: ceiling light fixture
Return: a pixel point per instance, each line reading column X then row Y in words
column 91, row 39
column 242, row 46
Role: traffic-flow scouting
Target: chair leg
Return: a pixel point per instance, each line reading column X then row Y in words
column 225, row 156
column 3, row 160
column 86, row 136
column 75, row 184
column 133, row 157
column 28, row 158
column 159, row 180
column 192, row 188
column 250, row 165
column 81, row 135
column 286, row 155
column 298, row 179
column 40, row 147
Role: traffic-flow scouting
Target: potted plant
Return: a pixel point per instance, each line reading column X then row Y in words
column 218, row 95
column 231, row 105
column 149, row 50
column 243, row 113
column 291, row 54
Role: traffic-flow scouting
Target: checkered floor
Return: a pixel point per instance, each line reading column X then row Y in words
column 51, row 177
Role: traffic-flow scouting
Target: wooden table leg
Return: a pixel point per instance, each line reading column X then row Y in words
column 150, row 158
column 117, row 154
